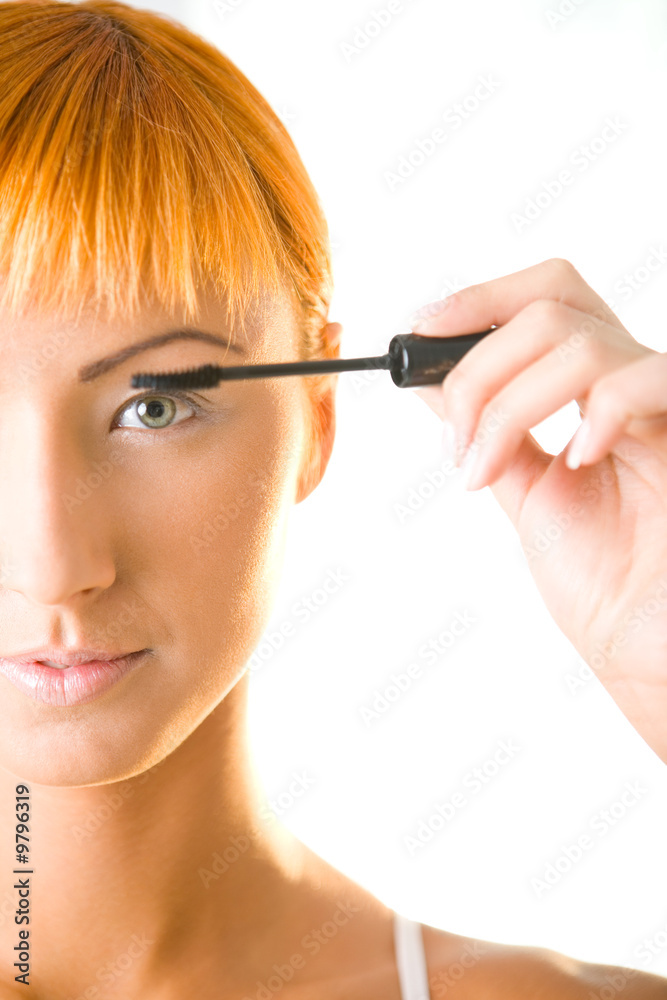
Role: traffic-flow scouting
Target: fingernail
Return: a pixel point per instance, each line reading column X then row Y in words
column 448, row 441
column 471, row 466
column 577, row 446
column 420, row 318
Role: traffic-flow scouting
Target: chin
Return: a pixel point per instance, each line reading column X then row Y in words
column 83, row 747
column 67, row 767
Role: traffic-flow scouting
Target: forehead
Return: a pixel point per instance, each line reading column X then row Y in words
column 36, row 341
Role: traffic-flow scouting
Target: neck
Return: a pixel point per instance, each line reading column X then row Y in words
column 181, row 860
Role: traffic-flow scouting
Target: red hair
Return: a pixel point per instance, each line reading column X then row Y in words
column 135, row 155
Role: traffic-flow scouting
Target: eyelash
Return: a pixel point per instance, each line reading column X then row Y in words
column 173, row 394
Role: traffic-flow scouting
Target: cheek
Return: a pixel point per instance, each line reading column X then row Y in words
column 217, row 542
column 212, row 560
column 198, row 534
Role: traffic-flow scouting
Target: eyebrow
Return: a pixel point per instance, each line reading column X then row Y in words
column 97, row 368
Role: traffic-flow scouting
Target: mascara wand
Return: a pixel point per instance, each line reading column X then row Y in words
column 412, row 360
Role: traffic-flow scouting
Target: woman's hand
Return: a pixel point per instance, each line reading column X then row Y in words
column 593, row 519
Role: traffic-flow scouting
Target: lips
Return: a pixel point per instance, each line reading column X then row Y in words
column 65, row 686
column 63, row 657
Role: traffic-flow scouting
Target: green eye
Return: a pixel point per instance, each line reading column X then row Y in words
column 155, row 411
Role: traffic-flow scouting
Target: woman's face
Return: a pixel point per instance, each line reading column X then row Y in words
column 123, row 530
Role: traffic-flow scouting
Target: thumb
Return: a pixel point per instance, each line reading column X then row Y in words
column 528, row 466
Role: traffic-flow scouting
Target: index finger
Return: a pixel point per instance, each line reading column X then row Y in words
column 494, row 302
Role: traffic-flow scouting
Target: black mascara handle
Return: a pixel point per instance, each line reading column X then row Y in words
column 419, row 360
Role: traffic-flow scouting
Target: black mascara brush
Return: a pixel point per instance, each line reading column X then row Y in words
column 412, row 360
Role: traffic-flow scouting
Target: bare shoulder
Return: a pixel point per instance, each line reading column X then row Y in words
column 464, row 968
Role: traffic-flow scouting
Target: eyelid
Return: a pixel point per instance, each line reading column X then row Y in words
column 181, row 394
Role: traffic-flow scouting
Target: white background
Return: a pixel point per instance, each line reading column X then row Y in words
column 353, row 112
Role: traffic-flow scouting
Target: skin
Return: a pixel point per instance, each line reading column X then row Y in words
column 604, row 578
column 135, row 794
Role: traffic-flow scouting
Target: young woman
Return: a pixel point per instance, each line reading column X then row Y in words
column 156, row 216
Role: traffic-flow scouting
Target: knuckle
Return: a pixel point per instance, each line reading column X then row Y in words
column 457, row 381
column 545, row 312
column 603, row 396
column 562, row 267
column 595, row 350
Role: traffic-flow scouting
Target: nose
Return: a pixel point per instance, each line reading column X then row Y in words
column 53, row 537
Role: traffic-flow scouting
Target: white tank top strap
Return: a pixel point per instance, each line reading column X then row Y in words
column 410, row 958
